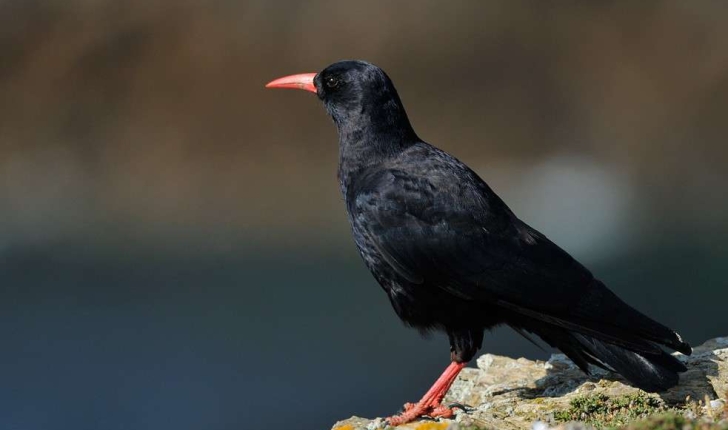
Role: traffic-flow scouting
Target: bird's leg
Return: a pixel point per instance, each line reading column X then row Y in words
column 431, row 403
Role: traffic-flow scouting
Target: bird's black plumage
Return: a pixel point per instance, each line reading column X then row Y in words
column 452, row 256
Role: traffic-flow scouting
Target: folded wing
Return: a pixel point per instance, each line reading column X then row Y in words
column 459, row 236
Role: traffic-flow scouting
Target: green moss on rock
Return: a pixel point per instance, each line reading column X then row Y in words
column 600, row 410
column 674, row 421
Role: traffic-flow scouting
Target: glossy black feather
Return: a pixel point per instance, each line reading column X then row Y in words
column 452, row 256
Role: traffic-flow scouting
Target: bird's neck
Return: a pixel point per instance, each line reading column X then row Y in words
column 369, row 138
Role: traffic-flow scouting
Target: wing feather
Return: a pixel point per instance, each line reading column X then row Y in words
column 458, row 235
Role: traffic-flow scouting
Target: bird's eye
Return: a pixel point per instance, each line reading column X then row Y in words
column 332, row 82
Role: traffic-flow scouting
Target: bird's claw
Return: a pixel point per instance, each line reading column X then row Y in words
column 465, row 408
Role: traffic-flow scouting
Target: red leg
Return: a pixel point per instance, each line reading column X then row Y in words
column 430, row 402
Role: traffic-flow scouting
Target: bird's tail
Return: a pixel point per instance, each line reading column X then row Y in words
column 652, row 371
column 604, row 331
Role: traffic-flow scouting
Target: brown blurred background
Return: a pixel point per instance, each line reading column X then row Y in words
column 173, row 244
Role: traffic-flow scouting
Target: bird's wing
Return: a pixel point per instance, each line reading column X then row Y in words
column 468, row 242
column 454, row 232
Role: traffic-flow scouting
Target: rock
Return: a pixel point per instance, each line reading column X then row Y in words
column 510, row 394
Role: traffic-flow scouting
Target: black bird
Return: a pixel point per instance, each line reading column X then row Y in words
column 451, row 255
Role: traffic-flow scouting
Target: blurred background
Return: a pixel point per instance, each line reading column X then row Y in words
column 174, row 250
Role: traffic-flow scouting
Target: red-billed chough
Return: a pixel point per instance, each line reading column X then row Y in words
column 451, row 256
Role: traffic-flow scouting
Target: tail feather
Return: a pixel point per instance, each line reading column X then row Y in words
column 652, row 371
column 639, row 324
column 602, row 330
column 655, row 372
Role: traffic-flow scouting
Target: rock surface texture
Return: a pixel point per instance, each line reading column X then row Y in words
column 509, row 394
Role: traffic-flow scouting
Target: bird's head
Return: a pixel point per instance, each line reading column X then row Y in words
column 352, row 91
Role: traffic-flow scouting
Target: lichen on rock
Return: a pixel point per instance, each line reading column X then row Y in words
column 514, row 394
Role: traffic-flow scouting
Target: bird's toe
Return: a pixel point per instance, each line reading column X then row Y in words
column 407, row 406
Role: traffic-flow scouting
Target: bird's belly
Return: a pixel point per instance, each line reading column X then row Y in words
column 424, row 305
column 404, row 297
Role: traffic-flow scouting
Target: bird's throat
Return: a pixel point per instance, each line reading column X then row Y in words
column 361, row 145
column 370, row 132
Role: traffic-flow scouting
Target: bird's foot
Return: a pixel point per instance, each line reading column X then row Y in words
column 425, row 410
column 430, row 406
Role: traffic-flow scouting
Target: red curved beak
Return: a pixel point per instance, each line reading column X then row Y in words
column 303, row 81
